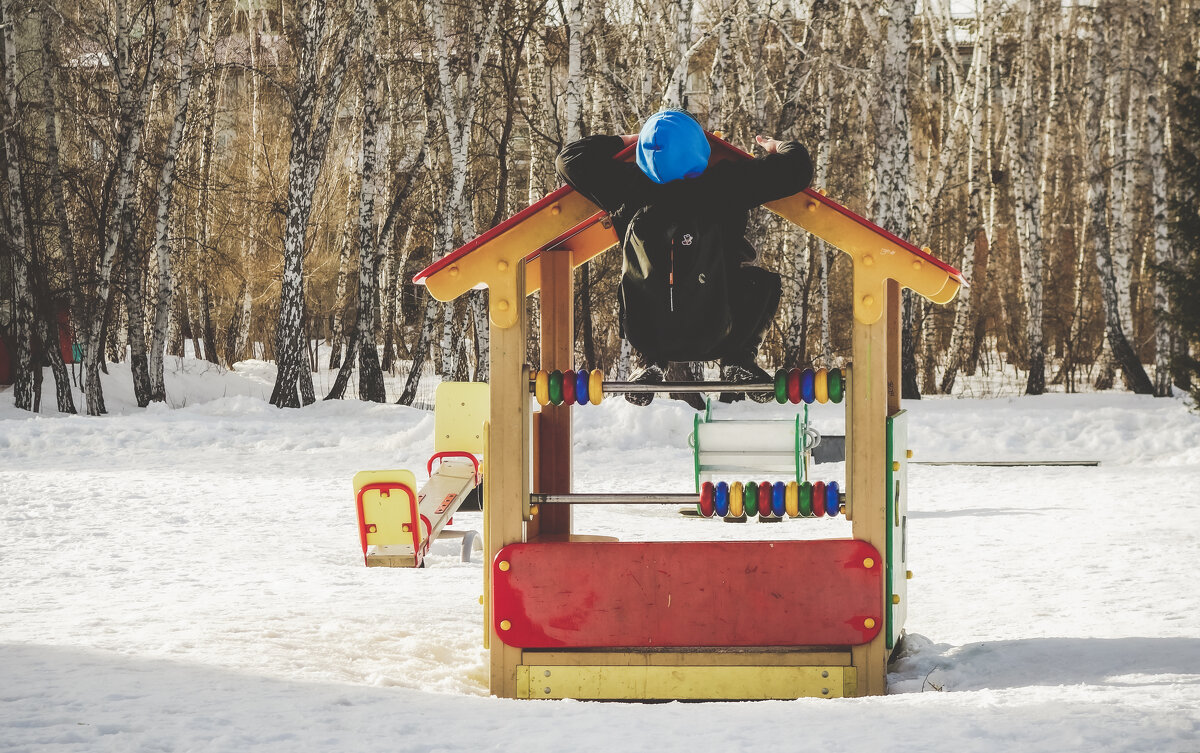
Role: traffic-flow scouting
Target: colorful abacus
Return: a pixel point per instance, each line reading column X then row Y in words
column 769, row 500
column 567, row 387
column 809, row 386
column 581, row 387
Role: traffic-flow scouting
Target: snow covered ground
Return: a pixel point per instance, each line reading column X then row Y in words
column 190, row 579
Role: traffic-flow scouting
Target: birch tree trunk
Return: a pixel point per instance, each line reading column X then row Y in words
column 133, row 106
column 977, row 241
column 894, row 161
column 337, row 337
column 1024, row 152
column 1097, row 205
column 1151, row 69
column 309, row 141
column 370, row 376
column 23, row 314
column 166, row 188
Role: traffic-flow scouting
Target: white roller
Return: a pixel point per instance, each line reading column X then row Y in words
column 746, row 437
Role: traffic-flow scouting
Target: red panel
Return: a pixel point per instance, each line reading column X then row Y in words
column 687, row 594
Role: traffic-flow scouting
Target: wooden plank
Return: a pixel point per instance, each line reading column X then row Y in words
column 688, row 594
column 682, row 683
column 866, row 470
column 558, row 351
column 723, row 657
column 507, row 464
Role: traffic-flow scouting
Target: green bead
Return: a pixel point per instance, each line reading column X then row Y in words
column 750, row 498
column 806, row 500
column 556, row 395
column 835, row 385
column 781, row 386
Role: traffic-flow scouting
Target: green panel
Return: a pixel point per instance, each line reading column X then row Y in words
column 897, row 526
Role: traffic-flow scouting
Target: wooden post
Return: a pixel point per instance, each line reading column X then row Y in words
column 867, row 471
column 507, row 460
column 554, row 425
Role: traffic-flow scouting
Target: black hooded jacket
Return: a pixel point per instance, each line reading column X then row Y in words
column 727, row 190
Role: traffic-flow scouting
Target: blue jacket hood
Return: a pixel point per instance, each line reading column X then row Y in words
column 672, row 145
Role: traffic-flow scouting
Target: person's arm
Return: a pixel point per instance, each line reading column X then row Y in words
column 587, row 165
column 784, row 170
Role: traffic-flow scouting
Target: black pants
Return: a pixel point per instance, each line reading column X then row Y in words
column 754, row 295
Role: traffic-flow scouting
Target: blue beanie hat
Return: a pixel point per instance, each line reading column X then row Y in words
column 672, row 145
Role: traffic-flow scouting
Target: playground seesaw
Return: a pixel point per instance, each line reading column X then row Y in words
column 397, row 523
column 571, row 615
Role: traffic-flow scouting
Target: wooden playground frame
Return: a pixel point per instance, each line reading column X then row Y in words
column 538, row 249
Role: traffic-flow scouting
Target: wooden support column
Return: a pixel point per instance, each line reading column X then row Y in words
column 506, row 461
column 867, row 470
column 554, row 424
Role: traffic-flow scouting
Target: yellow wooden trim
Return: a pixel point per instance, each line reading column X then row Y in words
column 866, row 465
column 459, row 411
column 680, row 683
column 493, row 264
column 876, row 257
column 725, row 657
column 508, row 446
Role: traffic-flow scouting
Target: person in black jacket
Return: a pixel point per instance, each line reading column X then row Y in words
column 675, row 214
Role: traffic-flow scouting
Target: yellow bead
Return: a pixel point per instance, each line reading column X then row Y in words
column 596, row 387
column 505, row 624
column 504, row 566
column 868, row 563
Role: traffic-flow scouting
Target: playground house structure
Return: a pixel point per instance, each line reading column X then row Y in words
column 577, row 616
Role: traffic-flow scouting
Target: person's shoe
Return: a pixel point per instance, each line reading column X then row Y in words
column 749, row 373
column 652, row 374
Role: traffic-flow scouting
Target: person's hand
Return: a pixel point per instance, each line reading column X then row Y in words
column 629, row 138
column 769, row 145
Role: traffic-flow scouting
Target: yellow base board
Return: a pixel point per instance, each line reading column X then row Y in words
column 738, row 683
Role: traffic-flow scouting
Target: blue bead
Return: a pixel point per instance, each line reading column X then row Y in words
column 832, row 499
column 721, row 500
column 581, row 387
column 777, row 499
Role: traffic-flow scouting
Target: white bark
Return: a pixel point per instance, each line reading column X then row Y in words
column 23, row 314
column 166, row 188
column 133, row 107
column 309, row 142
column 1151, row 70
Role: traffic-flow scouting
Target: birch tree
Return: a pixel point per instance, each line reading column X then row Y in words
column 133, row 102
column 23, row 312
column 313, row 109
column 1150, row 68
column 166, row 190
column 1097, row 206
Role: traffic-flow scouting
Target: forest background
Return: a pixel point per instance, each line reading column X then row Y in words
column 262, row 178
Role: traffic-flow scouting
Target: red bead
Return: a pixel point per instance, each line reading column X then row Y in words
column 707, row 495
column 568, row 388
column 793, row 386
column 818, row 498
